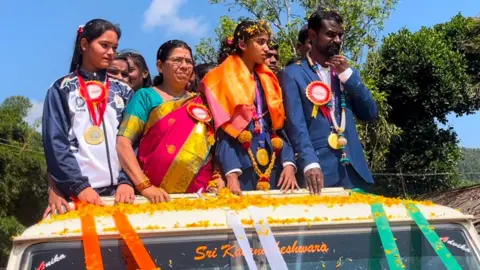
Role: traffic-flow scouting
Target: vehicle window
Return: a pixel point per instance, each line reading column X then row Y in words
column 351, row 248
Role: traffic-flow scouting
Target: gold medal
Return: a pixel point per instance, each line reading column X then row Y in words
column 342, row 142
column 94, row 135
column 262, row 156
column 333, row 141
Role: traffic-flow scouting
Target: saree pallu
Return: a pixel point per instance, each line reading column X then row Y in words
column 175, row 151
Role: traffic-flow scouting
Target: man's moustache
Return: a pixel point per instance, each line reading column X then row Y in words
column 333, row 49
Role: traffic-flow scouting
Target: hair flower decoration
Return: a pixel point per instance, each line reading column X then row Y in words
column 230, row 40
column 80, row 29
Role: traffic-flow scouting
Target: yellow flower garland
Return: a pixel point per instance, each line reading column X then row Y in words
column 226, row 199
column 245, row 138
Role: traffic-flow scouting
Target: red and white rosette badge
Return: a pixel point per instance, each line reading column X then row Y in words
column 199, row 112
column 319, row 94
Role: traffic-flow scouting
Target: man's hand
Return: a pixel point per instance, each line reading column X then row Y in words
column 314, row 179
column 155, row 195
column 56, row 203
column 234, row 184
column 338, row 63
column 125, row 194
column 89, row 195
column 287, row 179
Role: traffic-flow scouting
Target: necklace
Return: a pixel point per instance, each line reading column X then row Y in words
column 262, row 158
column 336, row 139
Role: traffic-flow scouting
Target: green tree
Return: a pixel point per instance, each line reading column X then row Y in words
column 23, row 182
column 364, row 19
column 376, row 136
column 463, row 34
column 469, row 165
column 206, row 51
column 425, row 76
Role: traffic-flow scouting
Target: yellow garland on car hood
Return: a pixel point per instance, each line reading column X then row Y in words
column 227, row 200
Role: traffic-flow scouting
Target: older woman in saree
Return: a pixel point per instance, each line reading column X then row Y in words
column 172, row 129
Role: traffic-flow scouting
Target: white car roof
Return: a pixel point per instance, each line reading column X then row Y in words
column 189, row 213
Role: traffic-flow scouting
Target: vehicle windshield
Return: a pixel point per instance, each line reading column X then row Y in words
column 350, row 248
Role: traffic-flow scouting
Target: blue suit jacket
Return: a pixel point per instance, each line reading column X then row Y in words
column 231, row 155
column 309, row 136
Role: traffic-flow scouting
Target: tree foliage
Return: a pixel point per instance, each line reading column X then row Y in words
column 425, row 76
column 463, row 34
column 469, row 165
column 23, row 182
column 377, row 135
column 364, row 19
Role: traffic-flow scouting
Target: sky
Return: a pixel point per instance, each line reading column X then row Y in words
column 37, row 38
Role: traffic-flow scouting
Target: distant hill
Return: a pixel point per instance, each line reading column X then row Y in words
column 469, row 164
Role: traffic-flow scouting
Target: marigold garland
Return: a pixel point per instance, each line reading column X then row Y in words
column 260, row 27
column 226, row 199
column 213, row 183
column 245, row 138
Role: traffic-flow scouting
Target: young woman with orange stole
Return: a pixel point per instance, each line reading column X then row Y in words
column 247, row 107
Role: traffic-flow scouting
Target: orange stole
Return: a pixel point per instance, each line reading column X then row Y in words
column 230, row 93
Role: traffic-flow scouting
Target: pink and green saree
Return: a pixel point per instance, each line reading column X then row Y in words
column 175, row 140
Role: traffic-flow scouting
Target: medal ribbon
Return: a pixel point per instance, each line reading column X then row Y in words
column 258, row 116
column 93, row 104
column 324, row 108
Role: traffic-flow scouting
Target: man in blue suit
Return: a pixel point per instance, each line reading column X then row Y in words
column 329, row 150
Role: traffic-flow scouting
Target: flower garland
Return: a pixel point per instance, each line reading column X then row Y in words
column 259, row 27
column 245, row 138
column 226, row 199
column 213, row 183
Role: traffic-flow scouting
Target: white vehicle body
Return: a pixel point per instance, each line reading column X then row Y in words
column 317, row 236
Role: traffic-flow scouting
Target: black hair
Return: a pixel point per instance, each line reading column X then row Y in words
column 164, row 52
column 225, row 50
column 303, row 34
column 140, row 62
column 202, row 70
column 322, row 13
column 91, row 31
column 122, row 57
column 273, row 44
column 244, row 31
